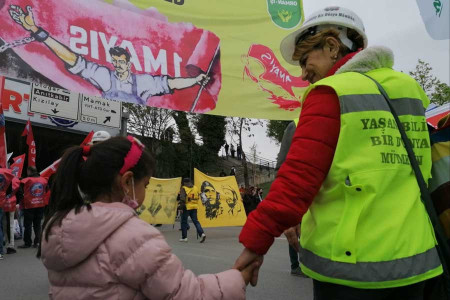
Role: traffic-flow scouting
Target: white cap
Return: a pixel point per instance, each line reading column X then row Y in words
column 332, row 16
column 100, row 136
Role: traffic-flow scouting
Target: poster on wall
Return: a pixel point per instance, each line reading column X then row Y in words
column 218, row 57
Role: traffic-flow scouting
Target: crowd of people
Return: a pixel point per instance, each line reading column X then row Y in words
column 25, row 200
column 234, row 152
column 251, row 197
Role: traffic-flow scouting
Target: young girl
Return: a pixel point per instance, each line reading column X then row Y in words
column 95, row 247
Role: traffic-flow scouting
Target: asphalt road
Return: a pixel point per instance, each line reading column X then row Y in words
column 23, row 277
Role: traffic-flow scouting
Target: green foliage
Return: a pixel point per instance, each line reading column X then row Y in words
column 437, row 92
column 275, row 129
column 441, row 94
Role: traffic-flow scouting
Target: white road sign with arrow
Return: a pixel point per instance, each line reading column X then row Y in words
column 101, row 111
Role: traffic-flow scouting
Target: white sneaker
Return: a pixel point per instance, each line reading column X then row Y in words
column 1, row 256
column 184, row 240
column 202, row 237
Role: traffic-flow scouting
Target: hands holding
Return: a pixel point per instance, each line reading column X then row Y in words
column 202, row 79
column 249, row 263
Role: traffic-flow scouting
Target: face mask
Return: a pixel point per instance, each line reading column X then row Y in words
column 131, row 202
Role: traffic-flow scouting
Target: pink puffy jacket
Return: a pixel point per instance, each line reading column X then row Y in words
column 109, row 253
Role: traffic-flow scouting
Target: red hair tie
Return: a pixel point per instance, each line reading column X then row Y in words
column 86, row 150
column 133, row 156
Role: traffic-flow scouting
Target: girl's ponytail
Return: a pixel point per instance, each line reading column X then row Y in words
column 65, row 194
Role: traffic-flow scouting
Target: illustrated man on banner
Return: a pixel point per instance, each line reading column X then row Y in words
column 170, row 204
column 211, row 199
column 232, row 200
column 120, row 83
column 155, row 205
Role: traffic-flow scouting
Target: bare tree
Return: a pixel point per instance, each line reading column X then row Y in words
column 153, row 122
column 238, row 127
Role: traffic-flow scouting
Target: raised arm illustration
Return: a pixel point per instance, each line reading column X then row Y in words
column 119, row 83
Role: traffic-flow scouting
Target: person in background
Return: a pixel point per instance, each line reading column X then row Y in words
column 9, row 208
column 32, row 193
column 341, row 180
column 239, row 152
column 189, row 196
column 439, row 187
column 250, row 200
column 6, row 178
column 292, row 236
column 242, row 191
column 99, row 136
column 227, row 147
column 232, row 150
column 233, row 171
column 95, row 246
column 222, row 173
column 259, row 193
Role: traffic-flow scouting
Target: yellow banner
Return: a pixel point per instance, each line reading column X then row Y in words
column 221, row 203
column 255, row 81
column 160, row 204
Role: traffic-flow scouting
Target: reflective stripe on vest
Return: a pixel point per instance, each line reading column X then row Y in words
column 373, row 271
column 358, row 229
column 358, row 103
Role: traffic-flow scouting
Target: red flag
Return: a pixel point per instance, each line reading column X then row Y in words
column 3, row 151
column 28, row 131
column 87, row 139
column 50, row 170
column 17, row 166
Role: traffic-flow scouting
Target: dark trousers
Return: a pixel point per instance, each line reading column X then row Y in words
column 294, row 257
column 184, row 222
column 32, row 218
column 329, row 291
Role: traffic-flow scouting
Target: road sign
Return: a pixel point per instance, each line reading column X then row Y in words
column 55, row 102
column 101, row 111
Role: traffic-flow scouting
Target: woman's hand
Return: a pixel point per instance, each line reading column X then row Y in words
column 249, row 263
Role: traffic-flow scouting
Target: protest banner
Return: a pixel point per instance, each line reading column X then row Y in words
column 181, row 55
column 221, row 203
column 160, row 204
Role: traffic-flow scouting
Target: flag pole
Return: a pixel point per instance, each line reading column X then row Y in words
column 203, row 86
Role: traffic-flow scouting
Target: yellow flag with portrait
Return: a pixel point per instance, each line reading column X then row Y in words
column 160, row 204
column 221, row 203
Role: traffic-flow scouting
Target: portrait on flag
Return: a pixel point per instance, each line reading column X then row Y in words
column 221, row 203
column 160, row 204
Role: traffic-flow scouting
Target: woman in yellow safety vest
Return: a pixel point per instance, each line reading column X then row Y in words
column 365, row 233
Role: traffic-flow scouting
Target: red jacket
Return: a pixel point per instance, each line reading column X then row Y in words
column 301, row 175
column 11, row 199
column 34, row 189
